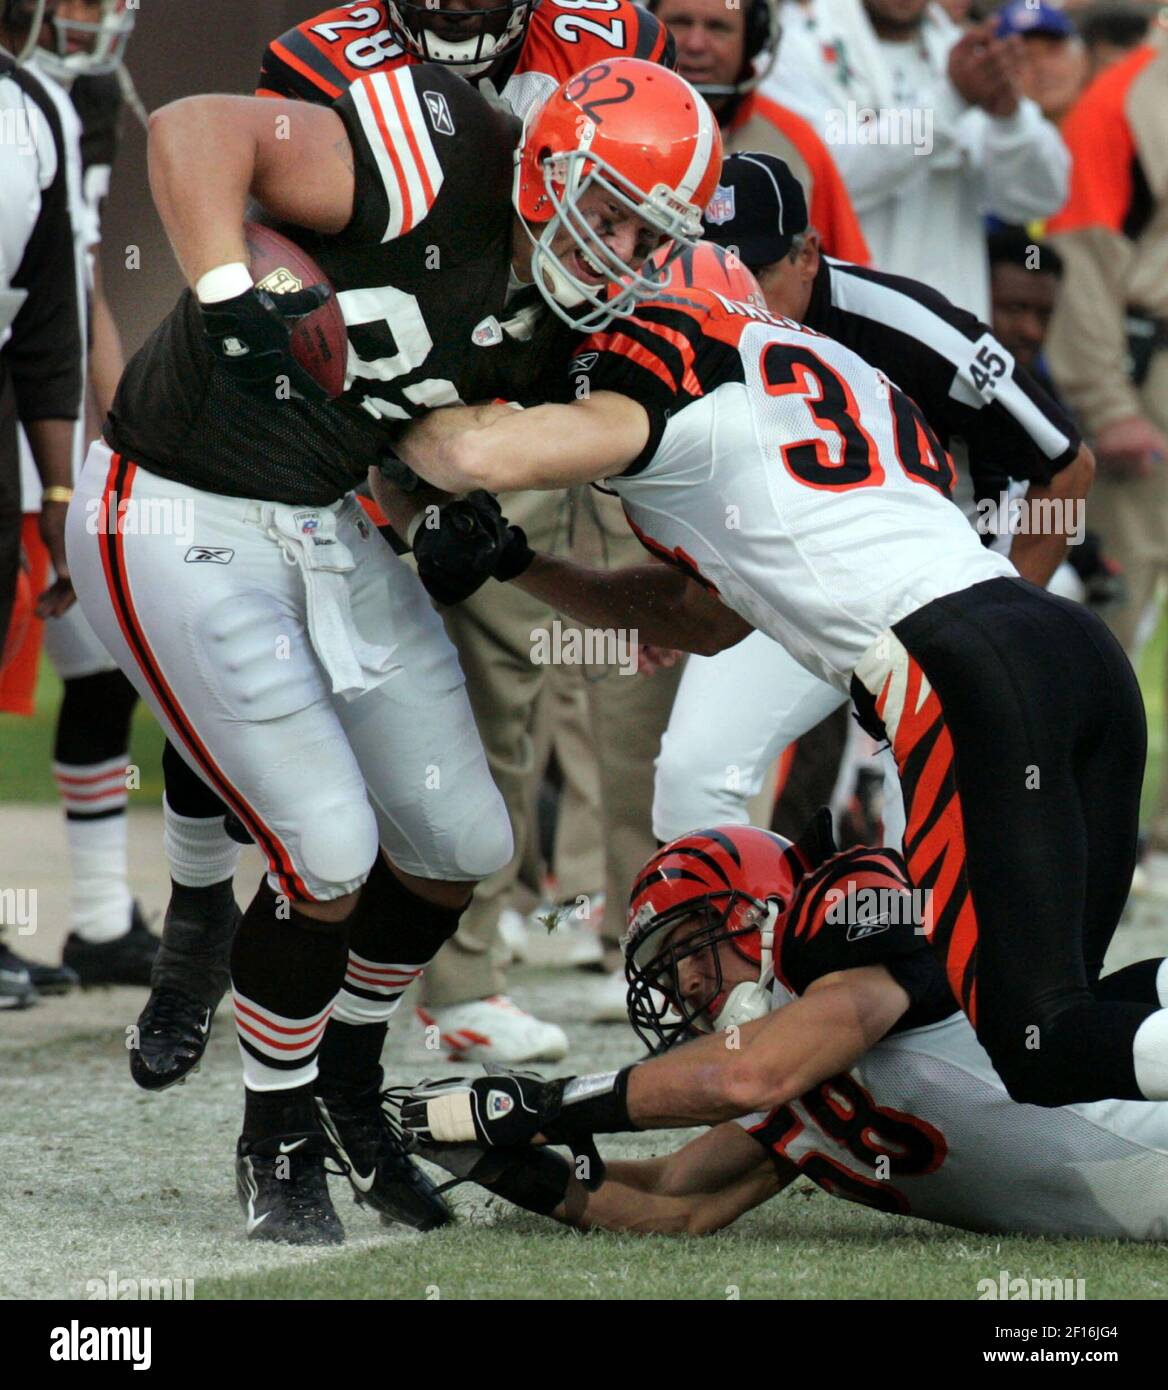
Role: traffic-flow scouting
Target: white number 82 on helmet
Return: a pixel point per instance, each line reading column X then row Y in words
column 621, row 158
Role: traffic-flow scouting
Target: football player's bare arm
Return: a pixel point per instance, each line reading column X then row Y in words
column 667, row 608
column 701, row 1188
column 401, row 508
column 501, row 449
column 209, row 154
column 1036, row 554
column 106, row 358
column 773, row 1060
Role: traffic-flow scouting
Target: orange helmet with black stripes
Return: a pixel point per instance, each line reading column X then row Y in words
column 708, row 266
column 644, row 139
column 731, row 884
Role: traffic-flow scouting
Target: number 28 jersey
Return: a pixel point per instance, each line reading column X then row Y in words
column 784, row 473
column 321, row 57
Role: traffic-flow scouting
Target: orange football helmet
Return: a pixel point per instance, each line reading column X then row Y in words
column 645, row 139
column 708, row 266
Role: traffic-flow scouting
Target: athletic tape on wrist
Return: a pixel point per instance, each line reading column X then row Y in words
column 224, row 282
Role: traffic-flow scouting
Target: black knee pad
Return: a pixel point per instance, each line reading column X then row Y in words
column 93, row 722
column 186, row 792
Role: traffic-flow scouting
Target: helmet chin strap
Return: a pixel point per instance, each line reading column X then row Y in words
column 752, row 999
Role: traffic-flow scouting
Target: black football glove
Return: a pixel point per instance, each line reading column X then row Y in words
column 457, row 556
column 536, row 1179
column 508, row 1109
column 250, row 336
column 472, row 543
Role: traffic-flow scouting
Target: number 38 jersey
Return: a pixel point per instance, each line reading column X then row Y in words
column 422, row 277
column 785, row 473
column 922, row 1125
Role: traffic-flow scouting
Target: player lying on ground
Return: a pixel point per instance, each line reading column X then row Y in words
column 799, row 486
column 299, row 666
column 836, row 1054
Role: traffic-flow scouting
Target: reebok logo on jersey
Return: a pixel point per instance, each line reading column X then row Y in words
column 232, row 347
column 859, row 930
column 209, row 555
column 440, row 117
column 585, row 362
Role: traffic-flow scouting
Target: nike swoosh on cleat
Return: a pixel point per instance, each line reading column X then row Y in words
column 255, row 1222
column 290, row 1148
column 362, row 1183
column 205, row 1026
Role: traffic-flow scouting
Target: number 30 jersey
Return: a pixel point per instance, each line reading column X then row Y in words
column 784, row 473
column 922, row 1125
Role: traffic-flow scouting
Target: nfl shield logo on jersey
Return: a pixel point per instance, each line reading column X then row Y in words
column 499, row 1103
column 721, row 207
column 308, row 522
column 488, row 333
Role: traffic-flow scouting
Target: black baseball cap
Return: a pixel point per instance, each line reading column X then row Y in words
column 758, row 208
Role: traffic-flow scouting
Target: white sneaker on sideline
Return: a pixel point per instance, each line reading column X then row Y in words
column 513, row 935
column 495, row 1030
column 609, row 999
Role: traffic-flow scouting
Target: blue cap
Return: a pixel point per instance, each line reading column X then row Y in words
column 1033, row 17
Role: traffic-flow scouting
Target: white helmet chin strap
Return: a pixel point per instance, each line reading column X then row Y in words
column 752, row 999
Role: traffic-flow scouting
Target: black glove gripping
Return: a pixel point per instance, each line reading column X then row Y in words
column 250, row 336
column 458, row 555
column 508, row 1109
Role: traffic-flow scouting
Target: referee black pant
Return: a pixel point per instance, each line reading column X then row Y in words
column 1018, row 728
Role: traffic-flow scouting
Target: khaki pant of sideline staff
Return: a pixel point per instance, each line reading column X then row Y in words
column 1132, row 517
column 493, row 633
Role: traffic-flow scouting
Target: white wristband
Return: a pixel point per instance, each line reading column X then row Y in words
column 224, row 282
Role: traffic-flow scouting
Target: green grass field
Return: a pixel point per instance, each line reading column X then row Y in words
column 102, row 1177
column 141, row 1186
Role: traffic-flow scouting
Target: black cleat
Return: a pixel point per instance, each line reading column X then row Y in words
column 284, row 1192
column 51, row 979
column 370, row 1150
column 173, row 1030
column 127, row 960
column 16, row 987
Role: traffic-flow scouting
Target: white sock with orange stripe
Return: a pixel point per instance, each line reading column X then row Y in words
column 94, row 797
column 393, row 936
column 279, row 1052
column 372, row 991
column 285, row 973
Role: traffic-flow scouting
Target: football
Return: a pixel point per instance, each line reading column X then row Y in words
column 319, row 342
